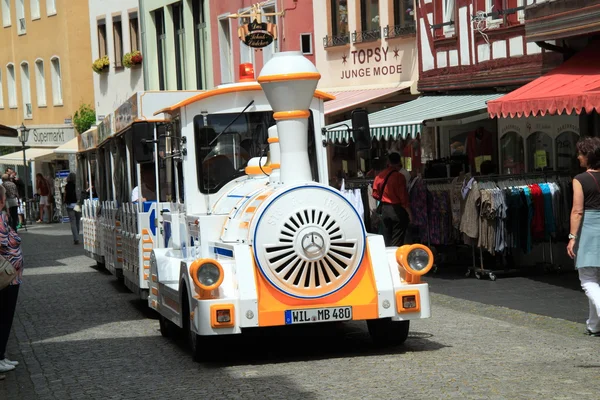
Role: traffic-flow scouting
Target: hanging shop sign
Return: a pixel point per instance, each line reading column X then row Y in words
column 50, row 136
column 105, row 128
column 257, row 34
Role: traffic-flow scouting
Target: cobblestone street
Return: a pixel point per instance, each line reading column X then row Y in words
column 79, row 334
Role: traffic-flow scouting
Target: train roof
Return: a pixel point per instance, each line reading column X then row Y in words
column 225, row 89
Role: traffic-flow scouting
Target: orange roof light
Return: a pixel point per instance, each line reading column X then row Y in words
column 246, row 72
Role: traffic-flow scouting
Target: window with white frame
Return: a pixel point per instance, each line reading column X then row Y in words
column 225, row 49
column 493, row 6
column 448, row 16
column 306, row 43
column 271, row 19
column 118, row 40
column 1, row 92
column 26, row 91
column 11, row 81
column 50, row 7
column 34, row 5
column 6, row 13
column 21, row 26
column 56, row 81
column 40, row 83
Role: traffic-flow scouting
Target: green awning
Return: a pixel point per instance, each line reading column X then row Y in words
column 407, row 119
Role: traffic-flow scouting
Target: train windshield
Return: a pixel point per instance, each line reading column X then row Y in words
column 223, row 156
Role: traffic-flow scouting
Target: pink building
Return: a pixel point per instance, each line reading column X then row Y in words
column 294, row 33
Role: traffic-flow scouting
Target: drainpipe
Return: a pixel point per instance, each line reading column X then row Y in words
column 142, row 19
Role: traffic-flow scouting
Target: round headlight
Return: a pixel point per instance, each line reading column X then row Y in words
column 208, row 274
column 418, row 259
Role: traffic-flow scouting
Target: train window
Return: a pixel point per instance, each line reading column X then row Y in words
column 223, row 156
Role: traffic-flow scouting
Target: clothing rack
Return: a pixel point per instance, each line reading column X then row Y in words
column 521, row 179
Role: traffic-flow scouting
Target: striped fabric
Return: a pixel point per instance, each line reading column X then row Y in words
column 379, row 133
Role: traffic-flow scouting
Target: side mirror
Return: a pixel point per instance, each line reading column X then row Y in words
column 143, row 142
column 361, row 130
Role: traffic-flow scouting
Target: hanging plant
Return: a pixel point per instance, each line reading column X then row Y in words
column 101, row 65
column 131, row 59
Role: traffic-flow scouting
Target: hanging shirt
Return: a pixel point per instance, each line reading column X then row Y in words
column 537, row 226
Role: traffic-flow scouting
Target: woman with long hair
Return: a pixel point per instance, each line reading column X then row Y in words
column 584, row 239
column 44, row 191
column 70, row 200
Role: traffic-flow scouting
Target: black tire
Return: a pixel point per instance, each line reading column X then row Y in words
column 166, row 327
column 385, row 332
column 192, row 340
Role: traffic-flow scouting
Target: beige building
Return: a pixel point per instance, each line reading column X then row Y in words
column 45, row 75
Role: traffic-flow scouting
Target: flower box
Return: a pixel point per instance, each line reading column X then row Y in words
column 132, row 59
column 101, row 65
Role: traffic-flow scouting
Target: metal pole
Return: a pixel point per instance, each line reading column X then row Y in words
column 26, row 179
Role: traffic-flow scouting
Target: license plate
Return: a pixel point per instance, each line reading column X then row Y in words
column 318, row 315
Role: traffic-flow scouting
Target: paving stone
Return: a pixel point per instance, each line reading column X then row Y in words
column 79, row 334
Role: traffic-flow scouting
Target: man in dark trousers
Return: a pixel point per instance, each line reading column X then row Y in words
column 390, row 188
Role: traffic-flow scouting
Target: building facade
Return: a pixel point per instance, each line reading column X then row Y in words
column 294, row 33
column 176, row 41
column 115, row 32
column 366, row 53
column 45, row 72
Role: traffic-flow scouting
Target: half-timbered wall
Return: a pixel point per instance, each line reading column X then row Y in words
column 462, row 46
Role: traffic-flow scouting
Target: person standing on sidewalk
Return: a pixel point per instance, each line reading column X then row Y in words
column 584, row 239
column 390, row 188
column 44, row 191
column 12, row 201
column 10, row 249
column 70, row 200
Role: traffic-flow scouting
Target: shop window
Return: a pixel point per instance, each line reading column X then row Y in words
column 566, row 153
column 50, row 7
column 539, row 152
column 11, row 81
column 178, row 28
column 118, row 40
column 40, row 83
column 26, row 91
column 102, row 43
column 404, row 13
column 134, row 32
column 339, row 17
column 512, row 152
column 56, row 82
column 35, row 9
column 369, row 16
column 6, row 13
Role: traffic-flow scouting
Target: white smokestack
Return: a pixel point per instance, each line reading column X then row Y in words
column 289, row 81
column 274, row 154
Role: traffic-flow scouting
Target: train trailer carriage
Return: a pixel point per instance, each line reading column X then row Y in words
column 122, row 212
column 254, row 236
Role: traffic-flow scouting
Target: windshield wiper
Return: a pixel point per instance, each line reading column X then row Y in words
column 232, row 122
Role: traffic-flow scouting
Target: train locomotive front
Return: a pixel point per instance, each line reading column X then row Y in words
column 290, row 250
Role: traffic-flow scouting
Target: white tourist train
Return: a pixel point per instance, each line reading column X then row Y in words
column 236, row 226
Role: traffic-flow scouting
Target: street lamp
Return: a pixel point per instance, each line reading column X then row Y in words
column 23, row 138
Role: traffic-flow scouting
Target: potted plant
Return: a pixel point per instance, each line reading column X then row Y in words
column 132, row 59
column 101, row 65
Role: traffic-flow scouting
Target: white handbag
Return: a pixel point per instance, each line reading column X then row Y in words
column 7, row 272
